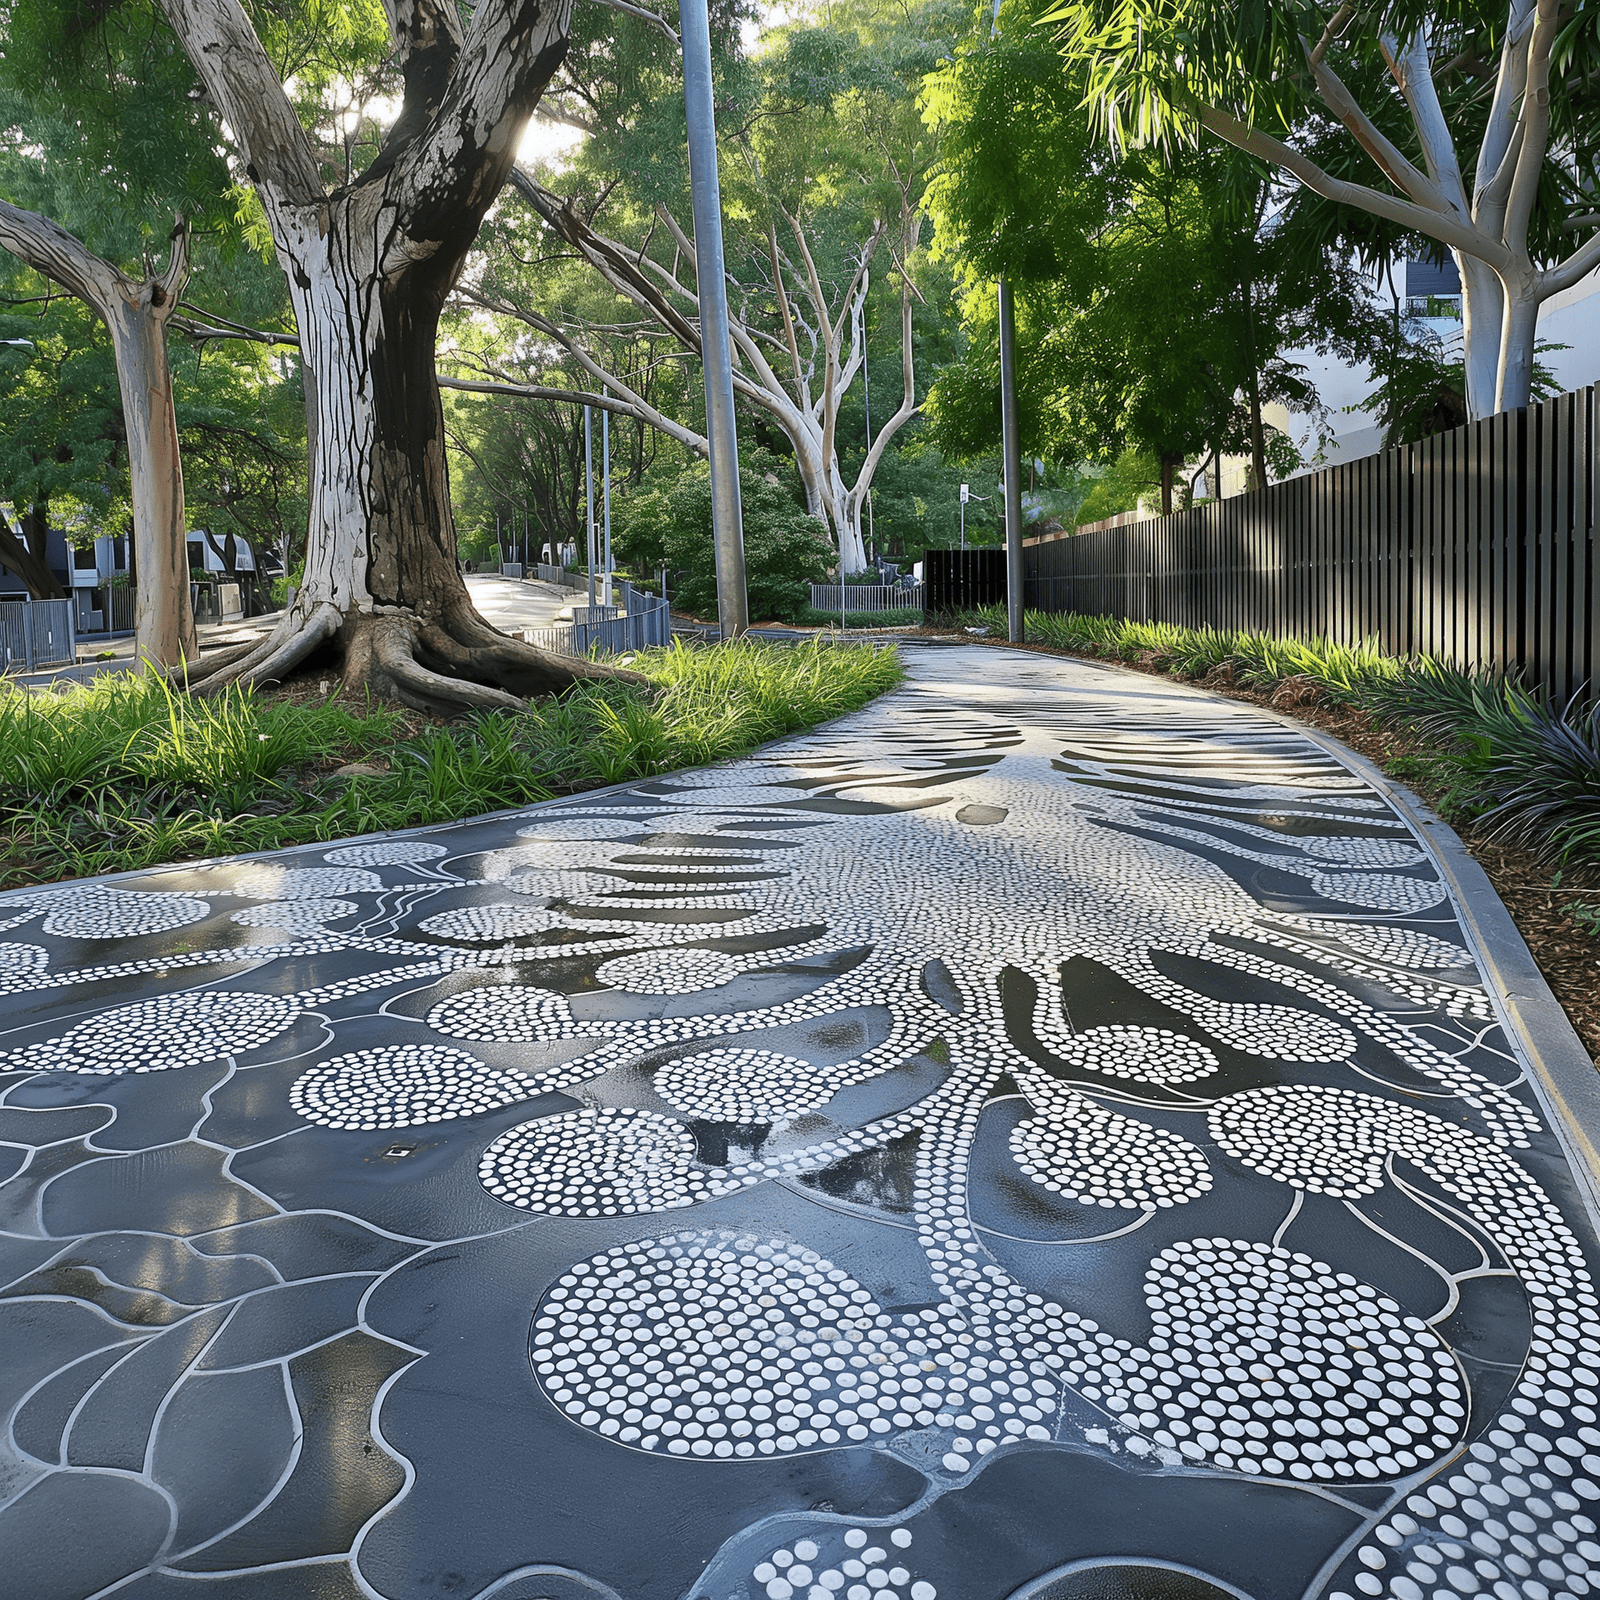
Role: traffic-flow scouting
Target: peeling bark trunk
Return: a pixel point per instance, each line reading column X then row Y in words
column 369, row 267
column 164, row 631
column 135, row 313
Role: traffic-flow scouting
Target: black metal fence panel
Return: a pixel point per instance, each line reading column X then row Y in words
column 1476, row 546
column 959, row 580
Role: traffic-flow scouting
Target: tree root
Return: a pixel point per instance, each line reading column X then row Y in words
column 455, row 664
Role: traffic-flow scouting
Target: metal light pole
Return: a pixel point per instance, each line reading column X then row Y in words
column 588, row 488
column 1009, row 445
column 716, row 353
column 605, row 495
column 966, row 489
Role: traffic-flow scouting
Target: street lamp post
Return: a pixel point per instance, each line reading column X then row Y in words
column 716, row 352
column 1013, row 484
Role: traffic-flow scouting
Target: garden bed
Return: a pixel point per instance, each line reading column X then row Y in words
column 124, row 774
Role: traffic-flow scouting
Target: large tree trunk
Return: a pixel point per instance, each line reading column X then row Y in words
column 136, row 314
column 369, row 267
column 1517, row 341
column 1483, row 300
column 163, row 629
column 25, row 554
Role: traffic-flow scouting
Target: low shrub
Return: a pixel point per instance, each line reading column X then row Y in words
column 899, row 617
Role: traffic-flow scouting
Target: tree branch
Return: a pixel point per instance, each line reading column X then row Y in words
column 1534, row 123
column 1444, row 226
column 1391, row 161
column 249, row 96
column 645, row 16
column 54, row 253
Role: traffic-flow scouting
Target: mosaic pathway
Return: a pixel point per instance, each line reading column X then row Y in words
column 1045, row 1136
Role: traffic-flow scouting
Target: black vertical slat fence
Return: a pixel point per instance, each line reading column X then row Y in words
column 962, row 580
column 1475, row 546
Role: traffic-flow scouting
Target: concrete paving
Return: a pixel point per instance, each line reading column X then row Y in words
column 1053, row 1135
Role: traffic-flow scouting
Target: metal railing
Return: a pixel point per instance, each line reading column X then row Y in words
column 866, row 597
column 37, row 633
column 559, row 576
column 641, row 621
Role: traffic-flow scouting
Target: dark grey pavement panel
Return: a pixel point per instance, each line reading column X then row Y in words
column 1045, row 1136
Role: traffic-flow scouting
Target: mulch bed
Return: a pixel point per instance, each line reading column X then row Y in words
column 1568, row 956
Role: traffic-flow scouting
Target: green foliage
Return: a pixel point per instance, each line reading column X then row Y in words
column 1145, row 64
column 124, row 774
column 1154, row 289
column 670, row 522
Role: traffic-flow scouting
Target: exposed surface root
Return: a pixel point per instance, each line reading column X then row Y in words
column 451, row 664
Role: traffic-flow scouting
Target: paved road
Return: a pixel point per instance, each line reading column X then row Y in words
column 1045, row 1136
column 506, row 602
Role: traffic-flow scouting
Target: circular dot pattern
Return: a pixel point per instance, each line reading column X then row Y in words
column 384, row 853
column 1151, row 1055
column 400, row 1086
column 262, row 882
column 491, row 924
column 297, row 916
column 1099, row 1157
column 178, row 1030
column 669, row 971
column 605, row 1163
column 100, row 912
column 742, row 1086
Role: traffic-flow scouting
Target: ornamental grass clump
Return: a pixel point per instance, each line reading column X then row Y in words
column 127, row 773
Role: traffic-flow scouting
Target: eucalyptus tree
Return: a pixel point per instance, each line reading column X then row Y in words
column 372, row 226
column 1156, row 295
column 60, row 217
column 825, row 161
column 1471, row 123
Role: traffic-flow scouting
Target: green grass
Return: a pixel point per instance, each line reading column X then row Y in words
column 124, row 773
column 1488, row 749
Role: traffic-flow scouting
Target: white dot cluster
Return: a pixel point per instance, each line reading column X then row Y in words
column 296, row 916
column 97, row 911
column 1510, row 1520
column 399, row 1086
column 612, row 1162
column 265, row 882
column 578, row 827
column 1363, row 852
column 176, row 1030
column 1097, row 1156
column 1266, row 1360
column 384, row 853
column 854, row 1566
column 742, row 1086
column 1151, row 1055
column 726, row 1346
column 1398, row 946
column 553, row 884
column 23, row 960
column 683, row 971
column 491, row 924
